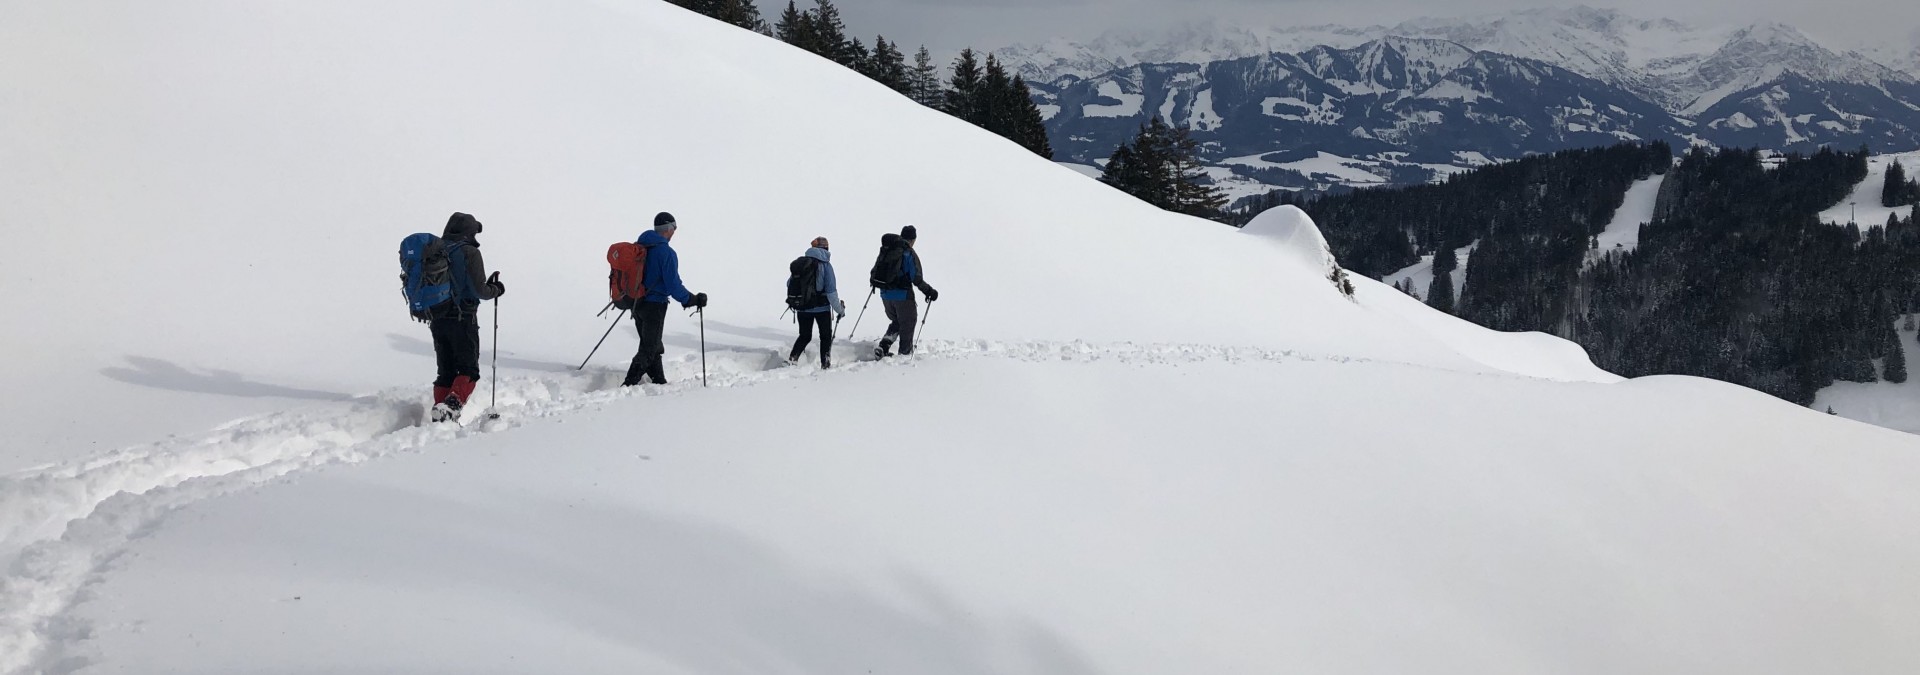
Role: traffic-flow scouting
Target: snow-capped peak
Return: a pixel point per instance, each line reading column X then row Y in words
column 1683, row 67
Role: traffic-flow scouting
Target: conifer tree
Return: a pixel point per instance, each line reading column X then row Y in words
column 993, row 100
column 889, row 67
column 1160, row 166
column 925, row 79
column 959, row 100
column 830, row 35
column 1894, row 368
column 1029, row 128
column 1440, row 293
column 1894, row 192
column 795, row 28
column 742, row 13
column 1194, row 192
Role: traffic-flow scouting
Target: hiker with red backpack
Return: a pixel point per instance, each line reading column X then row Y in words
column 813, row 293
column 660, row 281
column 445, row 280
column 896, row 273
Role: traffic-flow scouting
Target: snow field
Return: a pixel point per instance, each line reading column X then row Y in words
column 1421, row 273
column 1865, row 199
column 63, row 526
column 1636, row 209
column 1887, row 404
column 1205, row 533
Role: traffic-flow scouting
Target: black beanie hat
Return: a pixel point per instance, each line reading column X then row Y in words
column 664, row 219
column 909, row 234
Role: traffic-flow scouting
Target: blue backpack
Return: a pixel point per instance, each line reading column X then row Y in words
column 425, row 274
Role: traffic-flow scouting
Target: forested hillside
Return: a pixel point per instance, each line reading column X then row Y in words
column 1734, row 275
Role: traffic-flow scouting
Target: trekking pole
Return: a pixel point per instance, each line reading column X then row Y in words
column 493, row 396
column 922, row 333
column 603, row 310
column 702, row 311
column 603, row 338
column 863, row 314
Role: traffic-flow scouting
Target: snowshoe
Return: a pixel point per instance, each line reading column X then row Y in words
column 447, row 410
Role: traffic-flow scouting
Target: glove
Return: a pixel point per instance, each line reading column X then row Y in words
column 698, row 300
column 493, row 282
column 932, row 295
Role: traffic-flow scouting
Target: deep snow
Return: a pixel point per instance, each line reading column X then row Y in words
column 1138, row 443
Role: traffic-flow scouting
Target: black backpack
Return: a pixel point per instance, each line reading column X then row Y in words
column 803, row 284
column 890, row 269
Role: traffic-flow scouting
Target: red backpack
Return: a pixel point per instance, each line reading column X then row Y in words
column 629, row 262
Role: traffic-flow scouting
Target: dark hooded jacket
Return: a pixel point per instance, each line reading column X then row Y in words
column 463, row 251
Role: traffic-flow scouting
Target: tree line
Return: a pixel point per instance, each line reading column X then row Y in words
column 985, row 95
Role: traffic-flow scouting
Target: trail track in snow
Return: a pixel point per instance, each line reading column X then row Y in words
column 62, row 527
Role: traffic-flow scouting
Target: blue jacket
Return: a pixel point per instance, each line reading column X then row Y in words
column 911, row 261
column 662, row 275
column 827, row 284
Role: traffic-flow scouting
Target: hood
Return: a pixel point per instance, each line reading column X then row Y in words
column 819, row 254
column 891, row 240
column 461, row 227
column 651, row 239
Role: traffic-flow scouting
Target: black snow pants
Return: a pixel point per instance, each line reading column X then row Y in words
column 903, row 314
column 456, row 342
column 651, row 319
column 808, row 322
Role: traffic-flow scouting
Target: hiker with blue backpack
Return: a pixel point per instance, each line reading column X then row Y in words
column 895, row 274
column 813, row 293
column 660, row 278
column 444, row 280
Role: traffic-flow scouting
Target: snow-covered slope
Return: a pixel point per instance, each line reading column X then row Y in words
column 1894, row 405
column 1139, row 442
column 251, row 221
column 1862, row 206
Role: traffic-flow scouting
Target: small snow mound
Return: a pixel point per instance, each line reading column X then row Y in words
column 1296, row 233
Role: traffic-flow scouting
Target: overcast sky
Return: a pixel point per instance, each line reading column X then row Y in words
column 950, row 24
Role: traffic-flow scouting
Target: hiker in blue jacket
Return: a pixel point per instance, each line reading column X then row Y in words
column 662, row 279
column 821, row 312
column 896, row 274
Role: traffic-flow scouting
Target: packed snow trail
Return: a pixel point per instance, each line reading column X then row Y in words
column 62, row 525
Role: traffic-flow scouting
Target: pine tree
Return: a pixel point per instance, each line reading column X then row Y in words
column 889, row 67
column 1029, row 127
column 742, row 13
column 858, row 58
column 1194, row 191
column 925, row 79
column 1440, row 293
column 1894, row 193
column 830, row 35
column 992, row 100
column 1894, row 368
column 796, row 28
column 962, row 88
column 1161, row 166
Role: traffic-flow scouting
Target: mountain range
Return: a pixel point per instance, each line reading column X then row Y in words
column 1406, row 101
